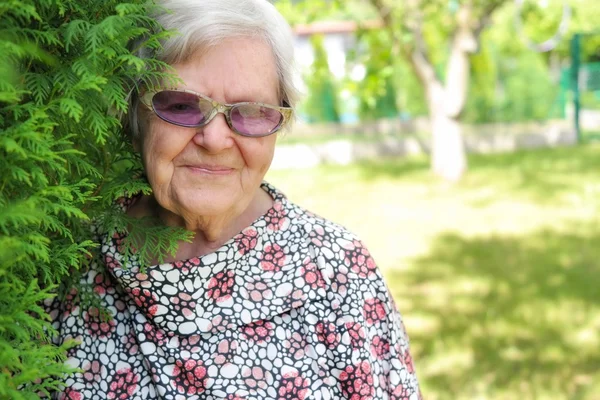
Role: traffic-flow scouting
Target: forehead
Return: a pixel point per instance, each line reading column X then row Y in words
column 235, row 69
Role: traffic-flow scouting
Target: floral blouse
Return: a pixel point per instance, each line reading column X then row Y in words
column 293, row 307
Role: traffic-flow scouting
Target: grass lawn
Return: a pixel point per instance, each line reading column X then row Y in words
column 498, row 277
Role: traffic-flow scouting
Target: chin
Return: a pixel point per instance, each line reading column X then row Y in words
column 212, row 205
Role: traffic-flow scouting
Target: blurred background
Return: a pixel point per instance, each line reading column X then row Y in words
column 458, row 139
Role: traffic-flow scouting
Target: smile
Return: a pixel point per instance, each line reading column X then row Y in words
column 209, row 169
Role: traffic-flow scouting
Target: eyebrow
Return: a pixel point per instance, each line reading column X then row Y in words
column 237, row 99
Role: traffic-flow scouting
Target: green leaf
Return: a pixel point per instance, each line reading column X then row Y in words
column 72, row 108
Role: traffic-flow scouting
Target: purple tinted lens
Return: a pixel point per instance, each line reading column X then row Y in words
column 181, row 108
column 252, row 119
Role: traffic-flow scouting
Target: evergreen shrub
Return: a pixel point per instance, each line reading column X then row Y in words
column 65, row 75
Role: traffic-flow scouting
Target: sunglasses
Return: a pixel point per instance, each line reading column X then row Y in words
column 193, row 110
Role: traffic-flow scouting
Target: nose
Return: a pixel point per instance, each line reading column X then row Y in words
column 216, row 136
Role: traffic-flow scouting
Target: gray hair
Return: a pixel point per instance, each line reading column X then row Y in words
column 202, row 24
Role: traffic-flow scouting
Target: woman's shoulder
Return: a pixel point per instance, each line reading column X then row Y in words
column 335, row 249
column 310, row 221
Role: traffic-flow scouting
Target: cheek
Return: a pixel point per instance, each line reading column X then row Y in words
column 259, row 154
column 159, row 147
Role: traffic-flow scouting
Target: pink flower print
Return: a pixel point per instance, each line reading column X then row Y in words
column 338, row 285
column 111, row 263
column 408, row 362
column 144, row 299
column 217, row 321
column 255, row 377
column 298, row 297
column 190, row 377
column 256, row 296
column 123, row 385
column 130, row 343
column 184, row 303
column 190, row 343
column 380, row 347
column 119, row 242
column 184, row 266
column 118, row 239
column 295, row 345
column 246, row 240
column 92, row 371
column 357, row 334
column 374, row 311
column 140, row 276
column 359, row 260
column 258, row 331
column 155, row 334
column 400, row 393
column 101, row 283
column 70, row 394
column 275, row 218
column 317, row 235
column 71, row 302
column 357, row 382
column 98, row 324
column 327, row 334
column 225, row 351
column 273, row 258
column 257, row 291
column 312, row 275
column 293, row 387
column 220, row 286
column 234, row 397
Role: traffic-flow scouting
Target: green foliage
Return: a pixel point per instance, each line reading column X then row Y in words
column 376, row 91
column 321, row 103
column 483, row 87
column 516, row 89
column 410, row 96
column 64, row 81
column 307, row 11
column 529, row 90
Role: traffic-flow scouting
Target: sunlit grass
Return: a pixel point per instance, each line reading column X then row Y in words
column 498, row 277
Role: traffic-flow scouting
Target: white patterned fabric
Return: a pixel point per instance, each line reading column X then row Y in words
column 293, row 307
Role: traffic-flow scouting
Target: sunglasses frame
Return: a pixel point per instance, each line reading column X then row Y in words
column 225, row 109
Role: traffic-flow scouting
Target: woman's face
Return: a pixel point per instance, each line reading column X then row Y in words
column 211, row 171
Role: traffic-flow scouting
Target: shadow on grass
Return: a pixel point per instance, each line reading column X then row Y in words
column 540, row 174
column 506, row 317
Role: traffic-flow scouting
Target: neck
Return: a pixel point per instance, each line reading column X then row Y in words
column 210, row 232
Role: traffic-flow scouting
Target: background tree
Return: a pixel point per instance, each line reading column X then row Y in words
column 444, row 45
column 377, row 91
column 322, row 102
column 460, row 23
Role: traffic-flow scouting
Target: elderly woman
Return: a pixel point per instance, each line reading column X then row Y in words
column 268, row 301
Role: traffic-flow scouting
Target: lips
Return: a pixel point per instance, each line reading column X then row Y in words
column 210, row 169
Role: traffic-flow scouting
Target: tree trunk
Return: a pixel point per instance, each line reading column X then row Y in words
column 448, row 158
column 447, row 101
column 448, row 155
